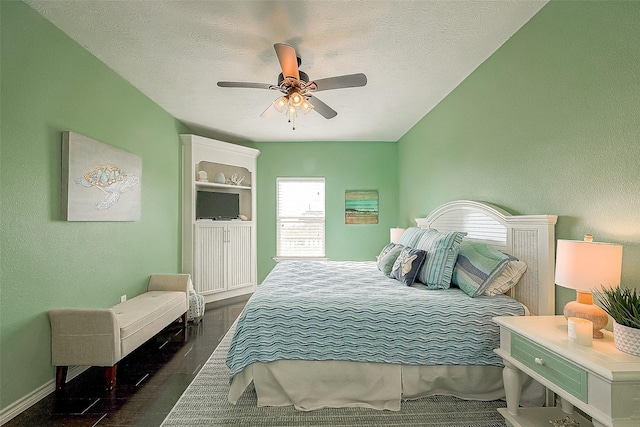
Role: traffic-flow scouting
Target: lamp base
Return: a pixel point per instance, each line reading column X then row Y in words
column 584, row 308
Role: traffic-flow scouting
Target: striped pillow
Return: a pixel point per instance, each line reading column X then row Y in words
column 411, row 236
column 506, row 280
column 477, row 266
column 442, row 251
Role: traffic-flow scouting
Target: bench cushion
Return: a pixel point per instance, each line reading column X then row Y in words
column 142, row 317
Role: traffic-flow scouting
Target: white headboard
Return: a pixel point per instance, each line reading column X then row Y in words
column 530, row 238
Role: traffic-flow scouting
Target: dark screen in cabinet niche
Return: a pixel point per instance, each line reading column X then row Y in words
column 217, row 206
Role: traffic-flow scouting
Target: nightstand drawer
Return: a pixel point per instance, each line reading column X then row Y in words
column 560, row 371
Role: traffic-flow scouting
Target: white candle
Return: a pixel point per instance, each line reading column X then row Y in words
column 580, row 331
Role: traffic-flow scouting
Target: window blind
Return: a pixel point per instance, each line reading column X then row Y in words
column 301, row 217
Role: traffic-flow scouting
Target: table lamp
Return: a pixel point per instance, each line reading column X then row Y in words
column 583, row 266
column 396, row 233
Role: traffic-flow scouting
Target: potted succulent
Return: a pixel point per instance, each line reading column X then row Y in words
column 623, row 305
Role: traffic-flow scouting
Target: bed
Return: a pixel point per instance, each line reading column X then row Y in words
column 345, row 334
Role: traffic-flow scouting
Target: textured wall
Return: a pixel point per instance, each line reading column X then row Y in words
column 345, row 166
column 548, row 125
column 50, row 84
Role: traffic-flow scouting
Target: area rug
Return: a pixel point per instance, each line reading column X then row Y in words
column 204, row 403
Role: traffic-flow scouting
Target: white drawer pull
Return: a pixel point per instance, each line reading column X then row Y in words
column 539, row 361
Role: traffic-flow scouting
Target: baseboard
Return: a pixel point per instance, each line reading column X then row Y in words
column 227, row 301
column 222, row 296
column 21, row 405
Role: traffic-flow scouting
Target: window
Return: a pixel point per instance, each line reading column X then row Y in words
column 300, row 215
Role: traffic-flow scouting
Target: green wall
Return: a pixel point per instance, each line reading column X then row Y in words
column 50, row 84
column 547, row 125
column 345, row 166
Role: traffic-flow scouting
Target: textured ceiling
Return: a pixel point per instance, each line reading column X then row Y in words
column 413, row 53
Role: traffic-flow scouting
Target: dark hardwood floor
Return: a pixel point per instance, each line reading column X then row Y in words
column 150, row 380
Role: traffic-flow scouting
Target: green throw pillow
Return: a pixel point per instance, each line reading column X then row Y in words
column 387, row 257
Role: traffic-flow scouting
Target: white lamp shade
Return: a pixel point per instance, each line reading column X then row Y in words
column 396, row 233
column 585, row 266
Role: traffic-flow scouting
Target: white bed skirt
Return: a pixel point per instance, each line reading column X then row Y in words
column 310, row 385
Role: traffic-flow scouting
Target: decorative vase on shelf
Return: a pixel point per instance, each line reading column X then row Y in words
column 626, row 339
column 219, row 178
column 202, row 176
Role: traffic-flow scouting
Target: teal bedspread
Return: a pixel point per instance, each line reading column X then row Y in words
column 350, row 311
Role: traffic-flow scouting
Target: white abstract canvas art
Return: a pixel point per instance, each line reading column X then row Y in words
column 99, row 182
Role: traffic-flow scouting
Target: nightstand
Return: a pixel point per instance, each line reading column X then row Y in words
column 600, row 380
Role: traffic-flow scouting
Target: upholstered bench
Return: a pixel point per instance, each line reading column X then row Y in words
column 103, row 336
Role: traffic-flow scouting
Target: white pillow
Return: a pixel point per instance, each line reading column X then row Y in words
column 507, row 279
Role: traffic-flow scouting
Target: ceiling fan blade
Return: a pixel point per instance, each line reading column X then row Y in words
column 269, row 112
column 248, row 85
column 323, row 109
column 339, row 82
column 288, row 60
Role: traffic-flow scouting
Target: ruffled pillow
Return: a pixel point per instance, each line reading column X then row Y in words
column 478, row 264
column 507, row 279
column 411, row 236
column 442, row 252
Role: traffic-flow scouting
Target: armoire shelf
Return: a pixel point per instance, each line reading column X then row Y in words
column 204, row 184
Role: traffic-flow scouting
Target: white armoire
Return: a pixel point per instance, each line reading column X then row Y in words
column 220, row 254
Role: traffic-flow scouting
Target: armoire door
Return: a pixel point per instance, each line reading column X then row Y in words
column 238, row 251
column 209, row 271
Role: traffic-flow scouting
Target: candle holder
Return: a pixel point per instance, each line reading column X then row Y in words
column 580, row 331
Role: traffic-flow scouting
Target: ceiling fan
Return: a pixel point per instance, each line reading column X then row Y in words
column 296, row 87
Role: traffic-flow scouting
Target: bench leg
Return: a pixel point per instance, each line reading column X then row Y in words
column 61, row 376
column 110, row 376
column 185, row 319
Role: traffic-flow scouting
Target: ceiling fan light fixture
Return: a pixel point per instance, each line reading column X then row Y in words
column 281, row 103
column 292, row 113
column 296, row 99
column 306, row 106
